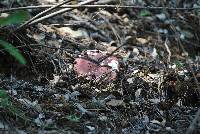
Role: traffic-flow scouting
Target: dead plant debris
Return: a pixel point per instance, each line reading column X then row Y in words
column 149, row 48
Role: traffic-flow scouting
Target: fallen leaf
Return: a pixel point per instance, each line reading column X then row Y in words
column 142, row 40
column 67, row 31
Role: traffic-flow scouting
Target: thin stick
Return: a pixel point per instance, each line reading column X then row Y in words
column 56, row 13
column 168, row 50
column 111, row 53
column 99, row 6
column 44, row 12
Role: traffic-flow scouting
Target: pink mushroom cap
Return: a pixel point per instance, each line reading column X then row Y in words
column 93, row 71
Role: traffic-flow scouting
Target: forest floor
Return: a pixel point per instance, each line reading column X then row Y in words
column 155, row 88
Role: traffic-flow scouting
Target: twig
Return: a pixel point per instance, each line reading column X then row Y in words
column 56, row 13
column 168, row 50
column 98, row 62
column 123, row 44
column 44, row 12
column 99, row 6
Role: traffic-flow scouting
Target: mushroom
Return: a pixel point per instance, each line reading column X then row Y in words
column 89, row 65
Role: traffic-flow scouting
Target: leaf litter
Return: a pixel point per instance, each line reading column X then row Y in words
column 155, row 90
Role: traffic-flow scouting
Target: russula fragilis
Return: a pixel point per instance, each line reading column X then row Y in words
column 85, row 66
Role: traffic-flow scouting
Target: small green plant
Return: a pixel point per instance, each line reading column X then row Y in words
column 13, row 51
column 73, row 118
column 178, row 64
column 14, row 18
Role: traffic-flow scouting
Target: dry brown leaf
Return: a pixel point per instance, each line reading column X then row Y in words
column 142, row 40
column 67, row 31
